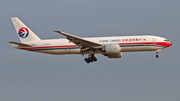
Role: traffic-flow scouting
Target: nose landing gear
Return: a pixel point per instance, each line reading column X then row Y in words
column 157, row 52
column 91, row 58
column 157, row 56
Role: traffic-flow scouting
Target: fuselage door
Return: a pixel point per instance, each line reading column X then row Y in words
column 154, row 41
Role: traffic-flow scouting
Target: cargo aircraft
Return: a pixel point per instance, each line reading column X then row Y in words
column 112, row 47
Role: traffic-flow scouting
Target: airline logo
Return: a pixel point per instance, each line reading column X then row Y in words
column 23, row 32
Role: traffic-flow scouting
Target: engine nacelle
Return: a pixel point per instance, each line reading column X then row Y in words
column 112, row 50
column 115, row 55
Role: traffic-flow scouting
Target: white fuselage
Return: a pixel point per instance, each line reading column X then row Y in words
column 126, row 43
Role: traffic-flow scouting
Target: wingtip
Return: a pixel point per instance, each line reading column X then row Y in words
column 9, row 41
column 56, row 31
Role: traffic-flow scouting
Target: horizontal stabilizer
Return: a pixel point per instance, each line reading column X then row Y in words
column 20, row 44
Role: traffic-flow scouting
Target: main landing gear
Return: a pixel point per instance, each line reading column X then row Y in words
column 90, row 58
column 157, row 52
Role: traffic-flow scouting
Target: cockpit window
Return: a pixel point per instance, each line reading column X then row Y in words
column 166, row 40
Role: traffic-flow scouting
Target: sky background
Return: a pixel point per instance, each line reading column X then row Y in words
column 138, row 76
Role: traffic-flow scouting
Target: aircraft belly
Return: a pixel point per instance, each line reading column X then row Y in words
column 61, row 51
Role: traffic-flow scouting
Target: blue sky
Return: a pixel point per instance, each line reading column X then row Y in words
column 137, row 76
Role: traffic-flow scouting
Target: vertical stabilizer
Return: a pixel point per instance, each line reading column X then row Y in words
column 23, row 32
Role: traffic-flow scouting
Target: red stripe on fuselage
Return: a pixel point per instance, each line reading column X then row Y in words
column 165, row 44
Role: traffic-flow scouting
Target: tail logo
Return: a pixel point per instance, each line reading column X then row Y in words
column 23, row 32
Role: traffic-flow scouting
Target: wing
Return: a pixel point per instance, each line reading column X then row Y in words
column 20, row 44
column 80, row 41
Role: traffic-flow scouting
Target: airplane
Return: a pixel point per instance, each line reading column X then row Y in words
column 112, row 47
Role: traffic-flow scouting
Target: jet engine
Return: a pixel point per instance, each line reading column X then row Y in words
column 112, row 50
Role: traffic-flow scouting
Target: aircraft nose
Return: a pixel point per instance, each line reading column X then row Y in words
column 170, row 44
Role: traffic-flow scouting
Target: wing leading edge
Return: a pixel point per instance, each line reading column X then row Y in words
column 85, row 44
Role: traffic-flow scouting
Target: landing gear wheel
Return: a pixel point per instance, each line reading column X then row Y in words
column 87, row 60
column 90, row 58
column 95, row 59
column 157, row 56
